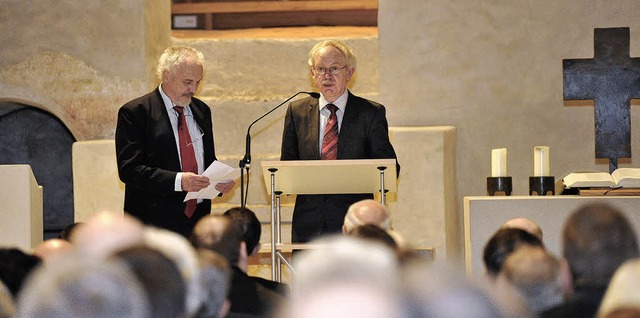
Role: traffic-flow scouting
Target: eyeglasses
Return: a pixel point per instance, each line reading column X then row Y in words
column 334, row 70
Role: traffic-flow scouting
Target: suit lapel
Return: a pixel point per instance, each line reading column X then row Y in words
column 162, row 127
column 313, row 134
column 348, row 121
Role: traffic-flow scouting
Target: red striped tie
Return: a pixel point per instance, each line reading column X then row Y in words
column 187, row 155
column 330, row 139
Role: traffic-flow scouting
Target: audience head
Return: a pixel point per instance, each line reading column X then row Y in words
column 597, row 239
column 366, row 212
column 106, row 233
column 81, row 286
column 215, row 277
column 503, row 243
column 51, row 249
column 160, row 278
column 178, row 249
column 524, row 224
column 7, row 307
column 375, row 234
column 623, row 293
column 15, row 267
column 537, row 275
column 67, row 232
column 431, row 290
column 251, row 227
column 220, row 234
column 345, row 277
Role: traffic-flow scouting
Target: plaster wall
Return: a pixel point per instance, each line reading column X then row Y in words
column 493, row 69
column 80, row 60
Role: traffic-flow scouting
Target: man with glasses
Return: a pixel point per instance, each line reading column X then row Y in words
column 338, row 125
column 164, row 141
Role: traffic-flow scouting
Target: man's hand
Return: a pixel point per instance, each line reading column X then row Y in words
column 225, row 187
column 192, row 182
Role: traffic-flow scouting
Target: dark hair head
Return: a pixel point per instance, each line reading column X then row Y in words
column 251, row 227
column 502, row 243
column 220, row 234
column 160, row 277
column 374, row 233
column 15, row 267
column 597, row 239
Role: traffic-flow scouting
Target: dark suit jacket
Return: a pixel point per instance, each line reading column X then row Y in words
column 148, row 162
column 364, row 134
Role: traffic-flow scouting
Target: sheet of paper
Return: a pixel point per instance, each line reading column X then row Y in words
column 217, row 172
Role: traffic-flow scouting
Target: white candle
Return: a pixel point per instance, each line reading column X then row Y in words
column 541, row 161
column 499, row 162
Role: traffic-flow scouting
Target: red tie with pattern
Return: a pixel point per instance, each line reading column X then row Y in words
column 330, row 139
column 187, row 155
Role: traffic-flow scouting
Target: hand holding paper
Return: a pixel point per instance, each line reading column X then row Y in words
column 217, row 172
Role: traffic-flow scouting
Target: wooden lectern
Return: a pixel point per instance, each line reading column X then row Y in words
column 321, row 177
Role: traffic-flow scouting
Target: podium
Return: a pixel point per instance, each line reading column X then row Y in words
column 321, row 177
column 22, row 207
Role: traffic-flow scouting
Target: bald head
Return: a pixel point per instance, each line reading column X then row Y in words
column 51, row 249
column 106, row 233
column 220, row 234
column 366, row 212
column 525, row 225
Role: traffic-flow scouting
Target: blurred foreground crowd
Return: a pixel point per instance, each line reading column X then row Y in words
column 114, row 266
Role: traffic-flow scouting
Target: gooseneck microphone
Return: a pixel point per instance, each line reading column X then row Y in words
column 245, row 162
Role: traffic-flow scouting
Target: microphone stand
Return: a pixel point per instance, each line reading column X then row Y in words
column 245, row 162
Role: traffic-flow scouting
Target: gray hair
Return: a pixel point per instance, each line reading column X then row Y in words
column 173, row 56
column 83, row 287
column 340, row 46
column 215, row 278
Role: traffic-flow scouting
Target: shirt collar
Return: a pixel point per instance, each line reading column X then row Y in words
column 341, row 102
column 168, row 104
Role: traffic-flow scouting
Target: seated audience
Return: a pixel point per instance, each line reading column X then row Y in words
column 501, row 244
column 371, row 212
column 67, row 232
column 79, row 286
column 432, row 290
column 251, row 232
column 596, row 240
column 160, row 278
column 366, row 212
column 223, row 235
column 177, row 248
column 623, row 293
column 51, row 249
column 215, row 275
column 375, row 234
column 345, row 277
column 524, row 224
column 7, row 307
column 107, row 232
column 15, row 267
column 536, row 275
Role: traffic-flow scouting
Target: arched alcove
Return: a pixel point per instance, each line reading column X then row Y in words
column 38, row 138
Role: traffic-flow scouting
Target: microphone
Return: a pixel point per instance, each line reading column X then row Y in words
column 246, row 161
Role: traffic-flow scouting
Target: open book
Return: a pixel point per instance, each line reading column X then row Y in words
column 620, row 178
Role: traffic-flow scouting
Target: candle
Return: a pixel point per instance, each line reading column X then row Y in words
column 499, row 162
column 541, row 161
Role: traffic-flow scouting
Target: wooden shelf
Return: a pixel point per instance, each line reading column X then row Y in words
column 281, row 13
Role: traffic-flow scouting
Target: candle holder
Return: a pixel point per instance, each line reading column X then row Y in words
column 542, row 185
column 499, row 184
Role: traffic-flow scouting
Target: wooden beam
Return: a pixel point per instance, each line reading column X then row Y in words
column 272, row 6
